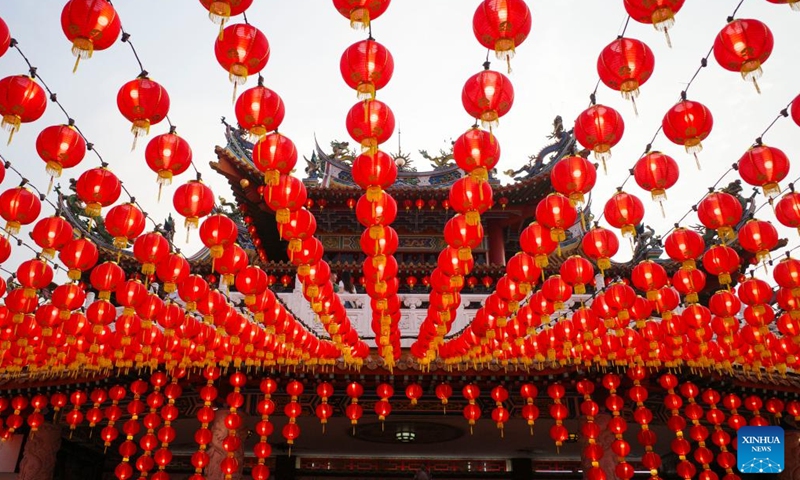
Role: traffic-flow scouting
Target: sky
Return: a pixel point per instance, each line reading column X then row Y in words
column 435, row 52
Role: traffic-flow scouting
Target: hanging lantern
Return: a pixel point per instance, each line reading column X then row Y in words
column 274, row 155
column 324, row 410
column 34, row 275
column 787, row 210
column 90, row 25
column 251, row 281
column 743, row 46
column 242, row 50
column 471, row 197
column 683, row 245
column 577, row 272
column 51, row 234
column 624, row 211
column 600, row 245
column 60, row 147
column 477, row 153
column 287, row 196
column 414, row 393
column 193, row 200
column 105, row 278
column 216, row 232
column 79, row 255
column 19, row 206
column 374, row 173
column 370, row 123
column 574, row 177
column 144, row 103
column 98, row 188
column 464, row 235
column 556, row 291
column 366, row 67
column 172, row 270
column 124, row 222
column 758, row 237
column 150, row 249
column 22, row 100
column 659, row 13
column 656, row 172
column 233, row 259
column 487, row 96
column 794, row 4
column 649, row 276
column 795, row 110
column 361, row 12
column 624, row 65
column 599, row 128
column 556, row 213
column 5, row 37
column 259, row 110
column 443, row 392
column 382, row 407
column 689, row 283
column 167, row 155
column 688, row 123
column 502, row 26
column 220, row 11
column 764, row 167
column 720, row 211
column 499, row 414
column 721, row 261
column 380, row 212
column 472, row 412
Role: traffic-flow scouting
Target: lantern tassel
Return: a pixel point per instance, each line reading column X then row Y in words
column 635, row 108
column 669, row 40
column 755, row 83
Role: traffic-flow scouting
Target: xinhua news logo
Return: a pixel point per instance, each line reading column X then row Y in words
column 760, row 449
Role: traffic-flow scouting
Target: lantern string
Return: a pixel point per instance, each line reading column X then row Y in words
column 126, row 37
column 53, row 96
column 649, row 146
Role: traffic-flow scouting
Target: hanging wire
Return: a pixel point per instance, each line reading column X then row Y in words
column 683, row 95
column 34, row 71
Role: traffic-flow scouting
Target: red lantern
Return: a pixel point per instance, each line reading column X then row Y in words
column 600, row 245
column 648, row 276
column 683, row 245
column 721, row 261
column 624, row 211
column 217, row 232
column 33, row 275
column 487, row 96
column 502, row 26
column 787, row 274
column 743, row 45
column 233, row 259
column 787, row 210
column 688, row 123
column 98, row 188
column 251, row 281
column 556, row 213
column 19, row 206
column 377, row 213
column 624, row 65
column 60, row 146
column 764, row 167
column 124, row 222
column 5, row 37
column 656, row 172
column 193, row 200
column 577, row 272
column 370, row 123
column 659, row 13
column 720, row 211
column 219, row 11
column 90, row 25
column 374, row 173
column 287, row 196
column 79, row 256
column 150, row 249
column 144, row 103
column 476, row 152
column 167, row 155
column 366, row 67
column 51, row 234
column 795, row 110
column 275, row 155
column 361, row 12
column 242, row 50
column 794, row 4
column 259, row 110
column 471, row 197
column 413, row 392
column 464, row 235
column 599, row 128
column 689, row 283
column 758, row 237
column 574, row 177
column 105, row 278
column 22, row 100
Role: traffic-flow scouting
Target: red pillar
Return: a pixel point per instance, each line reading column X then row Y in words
column 497, row 244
